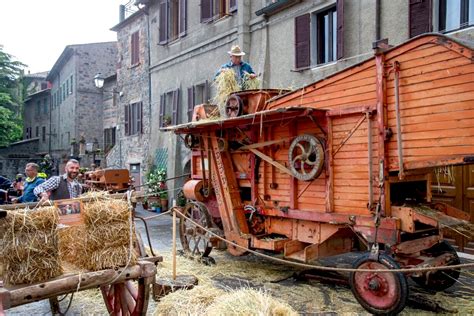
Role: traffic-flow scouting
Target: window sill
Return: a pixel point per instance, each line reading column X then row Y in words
column 458, row 30
column 315, row 67
column 134, row 65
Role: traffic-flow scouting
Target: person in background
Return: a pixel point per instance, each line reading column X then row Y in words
column 239, row 67
column 18, row 184
column 31, row 182
column 61, row 187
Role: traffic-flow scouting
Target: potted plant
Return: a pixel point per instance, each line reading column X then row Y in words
column 156, row 183
column 156, row 207
column 164, row 199
column 166, row 120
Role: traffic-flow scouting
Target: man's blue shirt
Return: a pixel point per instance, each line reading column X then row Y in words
column 244, row 68
column 28, row 195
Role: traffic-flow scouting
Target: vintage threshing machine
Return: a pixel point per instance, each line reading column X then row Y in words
column 342, row 164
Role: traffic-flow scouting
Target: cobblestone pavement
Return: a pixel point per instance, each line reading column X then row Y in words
column 307, row 296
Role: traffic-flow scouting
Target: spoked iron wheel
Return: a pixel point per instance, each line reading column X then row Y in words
column 126, row 298
column 441, row 279
column 233, row 106
column 306, row 157
column 194, row 240
column 379, row 292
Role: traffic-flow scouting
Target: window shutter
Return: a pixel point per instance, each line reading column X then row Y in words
column 134, row 49
column 163, row 32
column 190, row 103
column 140, row 117
column 340, row 28
column 127, row 120
column 302, row 41
column 232, row 5
column 162, row 109
column 419, row 16
column 206, row 11
column 183, row 23
column 175, row 107
column 206, row 92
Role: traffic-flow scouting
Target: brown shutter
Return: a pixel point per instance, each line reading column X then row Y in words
column 206, row 11
column 232, row 5
column 302, row 41
column 340, row 28
column 206, row 92
column 419, row 16
column 127, row 120
column 134, row 50
column 163, row 32
column 190, row 103
column 139, row 107
column 175, row 107
column 183, row 11
column 162, row 109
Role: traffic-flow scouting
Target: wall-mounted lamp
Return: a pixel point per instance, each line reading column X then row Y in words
column 99, row 80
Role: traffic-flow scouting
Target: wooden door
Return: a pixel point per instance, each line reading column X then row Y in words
column 447, row 186
column 468, row 190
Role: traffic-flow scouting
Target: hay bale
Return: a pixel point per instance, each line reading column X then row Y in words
column 30, row 246
column 249, row 302
column 71, row 243
column 108, row 227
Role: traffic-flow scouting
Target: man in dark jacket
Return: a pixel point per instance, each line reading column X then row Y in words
column 31, row 182
column 61, row 187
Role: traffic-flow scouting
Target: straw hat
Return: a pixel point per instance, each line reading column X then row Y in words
column 236, row 51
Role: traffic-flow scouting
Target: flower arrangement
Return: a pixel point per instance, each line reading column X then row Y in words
column 156, row 180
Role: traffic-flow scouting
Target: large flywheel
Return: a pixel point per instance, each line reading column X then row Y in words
column 306, row 157
column 194, row 239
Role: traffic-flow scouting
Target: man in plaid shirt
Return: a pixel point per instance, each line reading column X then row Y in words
column 61, row 187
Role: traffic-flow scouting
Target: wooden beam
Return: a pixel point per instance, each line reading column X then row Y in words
column 352, row 110
column 271, row 161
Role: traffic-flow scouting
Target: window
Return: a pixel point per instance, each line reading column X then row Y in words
column 67, row 87
column 37, row 131
column 216, row 9
column 169, row 103
column 109, row 138
column 134, row 119
column 455, row 14
column 135, row 48
column 38, row 108
column 173, row 20
column 43, row 134
column 319, row 36
column 70, row 84
column 64, row 91
column 45, row 106
column 197, row 94
column 44, row 85
column 28, row 133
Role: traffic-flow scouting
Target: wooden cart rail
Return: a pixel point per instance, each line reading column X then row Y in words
column 24, row 294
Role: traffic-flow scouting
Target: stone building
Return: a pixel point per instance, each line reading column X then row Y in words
column 129, row 126
column 36, row 118
column 76, row 104
column 14, row 157
column 289, row 43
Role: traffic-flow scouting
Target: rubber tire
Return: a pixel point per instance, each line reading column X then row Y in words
column 388, row 262
column 444, row 282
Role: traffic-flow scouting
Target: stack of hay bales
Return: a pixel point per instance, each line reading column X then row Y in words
column 108, row 229
column 30, row 246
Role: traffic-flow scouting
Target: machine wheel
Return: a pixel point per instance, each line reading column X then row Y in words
column 191, row 141
column 306, row 157
column 194, row 239
column 233, row 106
column 126, row 298
column 442, row 279
column 379, row 292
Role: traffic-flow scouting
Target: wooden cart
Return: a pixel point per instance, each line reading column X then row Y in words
column 342, row 164
column 125, row 291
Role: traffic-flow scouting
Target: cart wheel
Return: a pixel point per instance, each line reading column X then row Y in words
column 306, row 157
column 442, row 279
column 379, row 292
column 233, row 106
column 194, row 239
column 126, row 298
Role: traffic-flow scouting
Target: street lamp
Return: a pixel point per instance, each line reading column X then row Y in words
column 99, row 80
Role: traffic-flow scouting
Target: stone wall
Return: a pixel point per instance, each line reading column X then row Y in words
column 14, row 158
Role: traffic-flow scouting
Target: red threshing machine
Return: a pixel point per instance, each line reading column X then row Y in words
column 342, row 164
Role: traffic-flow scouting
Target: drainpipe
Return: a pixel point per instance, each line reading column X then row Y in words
column 377, row 20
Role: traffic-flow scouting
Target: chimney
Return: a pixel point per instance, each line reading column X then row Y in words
column 121, row 13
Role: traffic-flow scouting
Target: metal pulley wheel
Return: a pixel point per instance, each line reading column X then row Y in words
column 306, row 157
column 233, row 106
column 194, row 239
column 222, row 144
column 191, row 141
